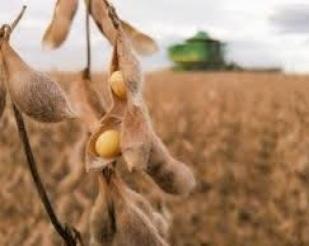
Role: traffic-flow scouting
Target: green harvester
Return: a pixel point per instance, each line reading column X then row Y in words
column 200, row 52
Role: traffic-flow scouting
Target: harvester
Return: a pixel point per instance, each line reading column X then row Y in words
column 201, row 52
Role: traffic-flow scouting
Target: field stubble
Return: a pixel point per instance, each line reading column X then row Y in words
column 245, row 135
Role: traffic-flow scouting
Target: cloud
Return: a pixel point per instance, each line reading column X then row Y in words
column 253, row 31
column 253, row 53
column 293, row 18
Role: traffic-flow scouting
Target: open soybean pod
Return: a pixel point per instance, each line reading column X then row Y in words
column 171, row 175
column 129, row 66
column 103, row 147
column 116, row 84
column 125, row 75
column 34, row 94
column 131, row 224
column 59, row 28
column 142, row 43
column 2, row 88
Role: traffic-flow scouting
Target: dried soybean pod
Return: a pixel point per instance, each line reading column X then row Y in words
column 136, row 228
column 59, row 27
column 102, row 218
column 136, row 139
column 157, row 219
column 171, row 175
column 129, row 66
column 2, row 88
column 98, row 11
column 132, row 223
column 118, row 105
column 2, row 98
column 142, row 43
column 34, row 93
column 162, row 224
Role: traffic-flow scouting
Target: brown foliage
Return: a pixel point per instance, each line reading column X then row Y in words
column 245, row 136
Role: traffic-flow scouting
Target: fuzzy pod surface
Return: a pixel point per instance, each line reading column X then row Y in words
column 34, row 93
column 123, row 222
column 136, row 139
column 2, row 89
column 59, row 27
column 141, row 42
column 171, row 175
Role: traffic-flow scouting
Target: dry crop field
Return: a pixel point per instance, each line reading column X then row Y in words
column 245, row 135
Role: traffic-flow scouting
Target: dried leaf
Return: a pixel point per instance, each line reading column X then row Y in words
column 34, row 93
column 59, row 27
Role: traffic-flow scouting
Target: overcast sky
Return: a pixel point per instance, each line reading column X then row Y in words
column 258, row 33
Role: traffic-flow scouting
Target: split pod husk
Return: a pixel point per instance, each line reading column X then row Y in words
column 125, row 61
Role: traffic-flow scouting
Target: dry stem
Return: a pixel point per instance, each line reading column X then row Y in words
column 18, row 18
column 69, row 234
column 87, row 73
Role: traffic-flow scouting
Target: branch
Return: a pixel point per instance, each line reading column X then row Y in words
column 6, row 30
column 69, row 235
column 18, row 18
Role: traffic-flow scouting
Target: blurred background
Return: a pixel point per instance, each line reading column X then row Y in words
column 230, row 78
column 257, row 34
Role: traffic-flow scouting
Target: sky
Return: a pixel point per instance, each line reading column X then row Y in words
column 257, row 33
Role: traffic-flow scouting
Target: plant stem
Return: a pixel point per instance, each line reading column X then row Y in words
column 65, row 232
column 87, row 73
column 18, row 18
